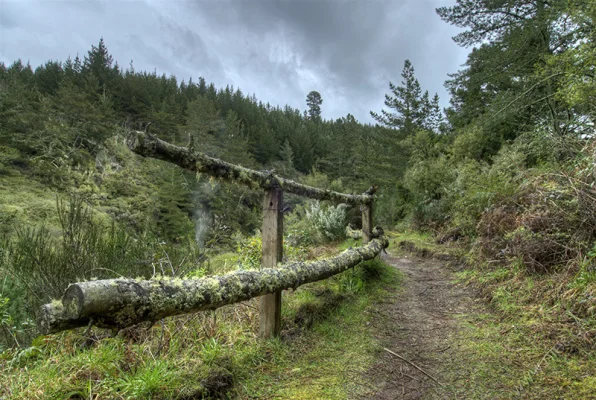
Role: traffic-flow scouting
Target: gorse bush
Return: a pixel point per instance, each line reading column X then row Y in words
column 87, row 248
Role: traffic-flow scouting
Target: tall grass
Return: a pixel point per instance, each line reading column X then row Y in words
column 37, row 264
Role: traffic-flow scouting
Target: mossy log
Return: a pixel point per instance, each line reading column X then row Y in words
column 147, row 145
column 119, row 303
column 353, row 233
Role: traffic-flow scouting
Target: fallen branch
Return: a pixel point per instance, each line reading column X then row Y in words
column 415, row 366
column 119, row 303
column 147, row 145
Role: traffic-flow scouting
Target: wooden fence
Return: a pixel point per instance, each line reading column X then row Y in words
column 118, row 303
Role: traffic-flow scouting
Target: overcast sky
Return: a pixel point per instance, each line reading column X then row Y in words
column 278, row 50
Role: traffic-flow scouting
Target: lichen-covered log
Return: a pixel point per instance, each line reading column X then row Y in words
column 119, row 303
column 353, row 233
column 149, row 146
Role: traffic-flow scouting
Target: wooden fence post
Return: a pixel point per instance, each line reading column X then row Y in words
column 272, row 238
column 367, row 222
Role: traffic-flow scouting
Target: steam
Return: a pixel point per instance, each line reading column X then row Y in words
column 202, row 215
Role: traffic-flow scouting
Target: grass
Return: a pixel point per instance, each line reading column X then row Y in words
column 515, row 358
column 325, row 346
column 531, row 345
column 421, row 243
column 25, row 202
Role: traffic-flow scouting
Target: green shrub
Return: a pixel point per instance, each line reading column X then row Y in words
column 328, row 222
column 429, row 184
column 250, row 251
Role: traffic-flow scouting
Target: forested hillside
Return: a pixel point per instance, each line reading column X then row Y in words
column 63, row 131
column 65, row 116
column 506, row 172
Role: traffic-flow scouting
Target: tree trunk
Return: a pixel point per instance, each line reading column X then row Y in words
column 119, row 303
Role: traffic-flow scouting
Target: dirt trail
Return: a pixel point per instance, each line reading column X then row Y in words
column 419, row 323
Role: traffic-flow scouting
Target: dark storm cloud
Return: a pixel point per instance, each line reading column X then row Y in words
column 347, row 50
column 279, row 50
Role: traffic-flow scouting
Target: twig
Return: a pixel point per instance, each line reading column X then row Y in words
column 106, row 269
column 443, row 350
column 161, row 342
column 88, row 327
column 169, row 261
column 415, row 366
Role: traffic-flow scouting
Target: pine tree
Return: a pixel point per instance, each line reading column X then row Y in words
column 404, row 103
column 514, row 38
column 287, row 158
column 203, row 123
column 314, row 101
column 433, row 116
column 98, row 62
column 235, row 142
column 48, row 77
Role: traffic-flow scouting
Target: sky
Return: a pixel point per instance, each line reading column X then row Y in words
column 347, row 50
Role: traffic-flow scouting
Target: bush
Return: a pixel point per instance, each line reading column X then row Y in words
column 479, row 186
column 328, row 222
column 545, row 220
column 250, row 251
column 428, row 183
column 473, row 144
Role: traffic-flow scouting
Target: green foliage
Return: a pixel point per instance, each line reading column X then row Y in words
column 479, row 186
column 7, row 323
column 428, row 182
column 504, row 77
column 473, row 143
column 328, row 222
column 37, row 264
column 405, row 101
column 250, row 251
column 574, row 66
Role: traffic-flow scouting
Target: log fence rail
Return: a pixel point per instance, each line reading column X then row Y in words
column 119, row 303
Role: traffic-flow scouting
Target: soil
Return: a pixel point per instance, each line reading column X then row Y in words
column 420, row 324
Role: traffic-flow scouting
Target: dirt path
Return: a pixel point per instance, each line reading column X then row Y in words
column 419, row 323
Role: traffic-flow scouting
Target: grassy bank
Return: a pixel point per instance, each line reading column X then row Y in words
column 324, row 347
